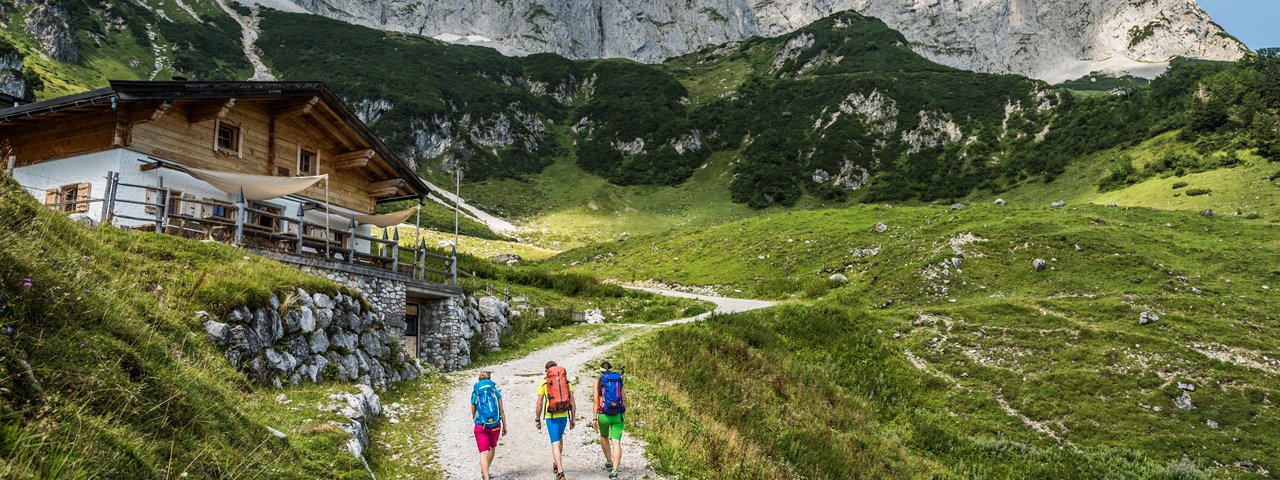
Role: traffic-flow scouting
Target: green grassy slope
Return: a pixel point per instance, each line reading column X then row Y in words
column 1245, row 189
column 107, row 373
column 990, row 370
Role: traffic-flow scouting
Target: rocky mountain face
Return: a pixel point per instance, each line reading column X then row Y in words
column 1045, row 39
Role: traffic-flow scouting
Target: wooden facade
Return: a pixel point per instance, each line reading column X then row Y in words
column 273, row 125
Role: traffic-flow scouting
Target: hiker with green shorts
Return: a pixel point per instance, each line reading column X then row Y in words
column 610, row 405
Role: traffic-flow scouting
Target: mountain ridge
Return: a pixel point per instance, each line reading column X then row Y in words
column 1036, row 38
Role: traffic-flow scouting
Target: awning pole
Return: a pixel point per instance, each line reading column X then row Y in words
column 328, row 232
column 417, row 224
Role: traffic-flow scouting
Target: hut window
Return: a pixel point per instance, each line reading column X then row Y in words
column 307, row 162
column 68, row 198
column 228, row 137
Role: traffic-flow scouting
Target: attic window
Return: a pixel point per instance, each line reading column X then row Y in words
column 308, row 160
column 228, row 138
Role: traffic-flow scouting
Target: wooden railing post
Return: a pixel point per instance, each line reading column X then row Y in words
column 351, row 241
column 395, row 249
column 163, row 208
column 422, row 247
column 240, row 218
column 108, row 198
column 302, row 226
column 382, row 247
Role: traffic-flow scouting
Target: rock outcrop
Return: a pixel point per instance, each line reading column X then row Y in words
column 50, row 23
column 12, row 80
column 1037, row 38
column 312, row 338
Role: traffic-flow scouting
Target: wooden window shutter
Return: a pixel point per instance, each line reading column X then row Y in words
column 82, row 195
column 51, row 199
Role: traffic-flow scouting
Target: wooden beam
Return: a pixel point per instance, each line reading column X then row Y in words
column 146, row 167
column 393, row 183
column 294, row 107
column 385, row 192
column 338, row 135
column 355, row 159
column 149, row 112
column 206, row 111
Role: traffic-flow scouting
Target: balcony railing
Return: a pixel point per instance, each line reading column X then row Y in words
column 251, row 225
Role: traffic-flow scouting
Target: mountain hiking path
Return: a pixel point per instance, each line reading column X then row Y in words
column 499, row 225
column 526, row 451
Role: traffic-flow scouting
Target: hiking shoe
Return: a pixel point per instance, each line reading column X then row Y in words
column 613, row 474
column 608, row 465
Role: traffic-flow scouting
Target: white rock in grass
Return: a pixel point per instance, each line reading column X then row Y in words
column 838, row 277
column 1184, row 402
column 1039, row 264
column 1148, row 317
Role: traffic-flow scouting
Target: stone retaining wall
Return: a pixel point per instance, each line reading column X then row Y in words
column 450, row 328
column 385, row 295
column 313, row 338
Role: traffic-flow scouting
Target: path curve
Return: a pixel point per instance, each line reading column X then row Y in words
column 525, row 451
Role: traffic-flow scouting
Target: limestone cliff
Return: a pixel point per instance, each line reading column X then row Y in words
column 1046, row 39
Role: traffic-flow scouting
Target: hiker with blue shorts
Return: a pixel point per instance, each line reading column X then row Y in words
column 555, row 403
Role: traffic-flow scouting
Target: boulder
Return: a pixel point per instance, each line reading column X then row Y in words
column 956, row 262
column 596, row 317
column 240, row 315
column 324, row 318
column 1039, row 264
column 291, row 321
column 1148, row 317
column 1058, row 204
column 218, row 332
column 1207, row 213
column 319, row 342
column 957, row 206
column 298, row 346
column 322, row 301
column 1000, row 202
column 321, row 364
column 881, row 228
column 491, row 309
column 838, row 277
column 304, row 298
column 306, row 320
column 1197, row 291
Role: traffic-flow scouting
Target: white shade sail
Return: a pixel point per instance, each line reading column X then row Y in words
column 256, row 187
column 385, row 220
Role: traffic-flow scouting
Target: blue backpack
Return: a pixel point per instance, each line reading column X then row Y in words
column 485, row 397
column 611, row 394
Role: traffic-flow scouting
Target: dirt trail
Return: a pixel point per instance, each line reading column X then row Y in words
column 525, row 452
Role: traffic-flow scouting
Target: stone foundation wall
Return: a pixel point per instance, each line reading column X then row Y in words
column 450, row 328
column 313, row 338
column 386, row 296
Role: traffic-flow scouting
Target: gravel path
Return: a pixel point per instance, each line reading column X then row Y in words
column 526, row 452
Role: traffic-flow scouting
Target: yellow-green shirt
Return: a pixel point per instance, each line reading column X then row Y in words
column 546, row 401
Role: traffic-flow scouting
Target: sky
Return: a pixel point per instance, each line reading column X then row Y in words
column 1254, row 22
